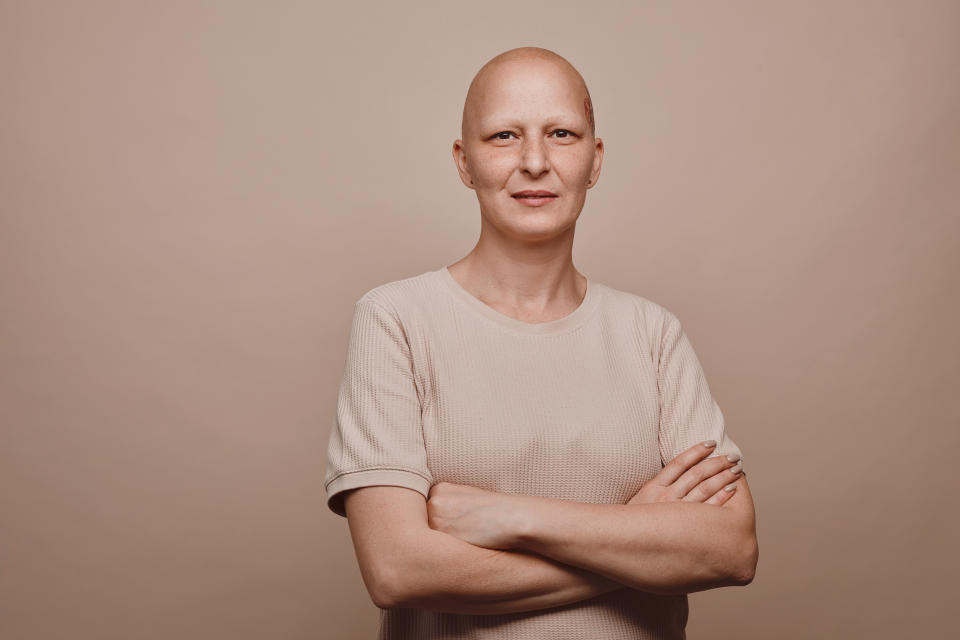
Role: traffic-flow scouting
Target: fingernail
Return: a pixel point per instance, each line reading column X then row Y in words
column 730, row 487
column 733, row 457
column 736, row 469
column 710, row 443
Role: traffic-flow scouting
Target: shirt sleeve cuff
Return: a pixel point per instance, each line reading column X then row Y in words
column 347, row 480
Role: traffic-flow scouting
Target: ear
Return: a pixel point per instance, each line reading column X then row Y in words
column 597, row 163
column 460, row 160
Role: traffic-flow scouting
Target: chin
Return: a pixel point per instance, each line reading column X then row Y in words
column 537, row 228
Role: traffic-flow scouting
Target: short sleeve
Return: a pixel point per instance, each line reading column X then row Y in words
column 688, row 412
column 377, row 434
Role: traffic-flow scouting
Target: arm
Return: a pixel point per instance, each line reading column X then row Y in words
column 661, row 547
column 405, row 563
column 683, row 531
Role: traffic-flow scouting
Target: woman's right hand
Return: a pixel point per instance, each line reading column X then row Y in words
column 692, row 477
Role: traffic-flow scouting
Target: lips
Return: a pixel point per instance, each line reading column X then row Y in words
column 534, row 194
column 534, row 198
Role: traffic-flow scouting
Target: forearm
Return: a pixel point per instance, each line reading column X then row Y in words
column 662, row 547
column 444, row 573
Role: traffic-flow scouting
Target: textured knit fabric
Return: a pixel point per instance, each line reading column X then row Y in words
column 439, row 386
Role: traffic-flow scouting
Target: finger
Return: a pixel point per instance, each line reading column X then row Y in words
column 701, row 472
column 676, row 467
column 724, row 494
column 714, row 483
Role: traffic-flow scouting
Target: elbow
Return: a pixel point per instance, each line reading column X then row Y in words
column 382, row 579
column 385, row 589
column 745, row 564
column 382, row 597
column 399, row 580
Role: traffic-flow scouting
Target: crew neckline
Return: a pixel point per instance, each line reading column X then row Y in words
column 570, row 321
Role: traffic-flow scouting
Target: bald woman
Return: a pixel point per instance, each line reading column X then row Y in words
column 520, row 451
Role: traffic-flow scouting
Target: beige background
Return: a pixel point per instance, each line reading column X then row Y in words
column 195, row 193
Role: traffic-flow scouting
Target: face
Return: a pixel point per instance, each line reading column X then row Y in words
column 527, row 128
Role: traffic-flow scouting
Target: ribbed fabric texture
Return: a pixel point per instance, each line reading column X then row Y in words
column 438, row 386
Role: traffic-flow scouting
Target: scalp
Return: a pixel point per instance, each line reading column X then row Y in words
column 528, row 56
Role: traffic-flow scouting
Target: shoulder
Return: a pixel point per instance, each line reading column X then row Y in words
column 662, row 332
column 404, row 298
column 646, row 312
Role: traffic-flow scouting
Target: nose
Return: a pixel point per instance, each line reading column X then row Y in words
column 534, row 158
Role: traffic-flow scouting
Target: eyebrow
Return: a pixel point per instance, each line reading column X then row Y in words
column 505, row 121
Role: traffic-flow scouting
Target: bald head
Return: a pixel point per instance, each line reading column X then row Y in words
column 520, row 61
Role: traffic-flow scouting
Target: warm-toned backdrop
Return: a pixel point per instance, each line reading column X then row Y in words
column 194, row 194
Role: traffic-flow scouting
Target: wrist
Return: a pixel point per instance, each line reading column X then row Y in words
column 525, row 521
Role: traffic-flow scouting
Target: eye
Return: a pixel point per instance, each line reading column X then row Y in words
column 564, row 131
column 499, row 136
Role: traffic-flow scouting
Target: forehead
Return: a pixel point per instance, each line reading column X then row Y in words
column 528, row 90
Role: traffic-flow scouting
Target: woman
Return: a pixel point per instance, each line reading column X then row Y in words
column 520, row 451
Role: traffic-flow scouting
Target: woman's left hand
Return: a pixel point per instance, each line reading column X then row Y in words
column 484, row 518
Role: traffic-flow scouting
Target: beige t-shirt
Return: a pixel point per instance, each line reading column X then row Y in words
column 439, row 386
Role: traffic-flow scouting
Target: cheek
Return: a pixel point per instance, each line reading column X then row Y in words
column 573, row 167
column 493, row 170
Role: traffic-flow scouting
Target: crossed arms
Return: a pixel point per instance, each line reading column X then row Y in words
column 472, row 551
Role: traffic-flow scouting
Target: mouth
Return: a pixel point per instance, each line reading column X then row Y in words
column 534, row 198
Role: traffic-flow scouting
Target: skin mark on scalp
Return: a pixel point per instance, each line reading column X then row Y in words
column 588, row 108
